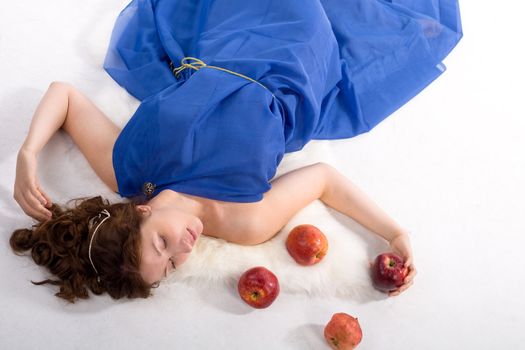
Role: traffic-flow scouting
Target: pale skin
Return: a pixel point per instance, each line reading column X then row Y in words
column 173, row 219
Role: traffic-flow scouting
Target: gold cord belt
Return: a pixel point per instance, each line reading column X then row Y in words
column 198, row 64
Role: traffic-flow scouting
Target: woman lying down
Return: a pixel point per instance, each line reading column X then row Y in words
column 217, row 114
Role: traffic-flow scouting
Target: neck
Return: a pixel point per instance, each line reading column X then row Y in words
column 183, row 202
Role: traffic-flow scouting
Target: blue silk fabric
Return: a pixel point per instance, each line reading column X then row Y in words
column 333, row 69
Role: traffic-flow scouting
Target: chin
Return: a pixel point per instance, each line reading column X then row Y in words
column 200, row 227
column 182, row 259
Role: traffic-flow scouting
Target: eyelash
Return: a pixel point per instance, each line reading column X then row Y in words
column 165, row 245
column 164, row 241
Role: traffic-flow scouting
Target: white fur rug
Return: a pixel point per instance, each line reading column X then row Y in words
column 343, row 271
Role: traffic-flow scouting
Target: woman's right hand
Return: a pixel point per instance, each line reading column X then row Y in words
column 27, row 191
column 401, row 245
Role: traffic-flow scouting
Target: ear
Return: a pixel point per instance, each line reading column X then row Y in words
column 144, row 209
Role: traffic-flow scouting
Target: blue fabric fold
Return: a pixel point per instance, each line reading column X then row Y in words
column 333, row 69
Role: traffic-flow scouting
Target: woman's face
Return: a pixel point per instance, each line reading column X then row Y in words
column 168, row 236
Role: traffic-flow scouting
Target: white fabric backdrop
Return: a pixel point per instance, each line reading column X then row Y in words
column 449, row 165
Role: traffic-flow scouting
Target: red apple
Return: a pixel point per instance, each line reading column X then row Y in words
column 306, row 244
column 343, row 332
column 258, row 287
column 388, row 272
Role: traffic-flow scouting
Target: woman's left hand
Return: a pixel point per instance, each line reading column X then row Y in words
column 401, row 245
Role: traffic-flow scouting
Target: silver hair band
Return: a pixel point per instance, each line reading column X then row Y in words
column 108, row 215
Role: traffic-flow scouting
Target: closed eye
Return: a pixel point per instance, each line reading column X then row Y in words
column 164, row 242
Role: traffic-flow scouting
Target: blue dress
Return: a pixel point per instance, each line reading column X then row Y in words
column 320, row 69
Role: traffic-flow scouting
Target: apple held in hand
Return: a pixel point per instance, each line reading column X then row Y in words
column 343, row 332
column 307, row 244
column 258, row 287
column 388, row 272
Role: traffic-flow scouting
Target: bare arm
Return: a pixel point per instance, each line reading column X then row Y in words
column 63, row 107
column 49, row 117
column 294, row 190
column 344, row 196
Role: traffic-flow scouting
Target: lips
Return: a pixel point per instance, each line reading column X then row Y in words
column 193, row 235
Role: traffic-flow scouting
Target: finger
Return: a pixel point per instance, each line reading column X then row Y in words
column 408, row 261
column 405, row 286
column 22, row 203
column 38, row 206
column 411, row 274
column 47, row 198
column 413, row 271
column 37, row 209
column 38, row 195
column 27, row 208
column 39, row 215
column 401, row 289
column 393, row 293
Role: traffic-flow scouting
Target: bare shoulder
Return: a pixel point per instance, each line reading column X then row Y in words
column 254, row 223
column 230, row 221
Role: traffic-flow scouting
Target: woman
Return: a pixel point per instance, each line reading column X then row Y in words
column 200, row 154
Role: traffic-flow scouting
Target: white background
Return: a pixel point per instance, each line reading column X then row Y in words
column 450, row 165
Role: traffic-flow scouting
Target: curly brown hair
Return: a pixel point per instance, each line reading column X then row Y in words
column 61, row 244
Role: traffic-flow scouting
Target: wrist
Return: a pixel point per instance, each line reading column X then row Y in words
column 25, row 149
column 398, row 234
